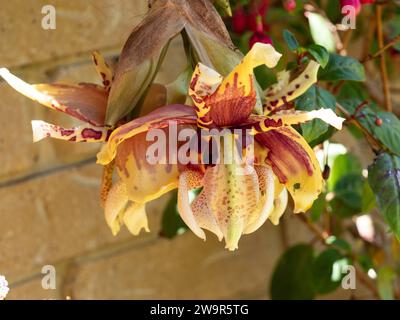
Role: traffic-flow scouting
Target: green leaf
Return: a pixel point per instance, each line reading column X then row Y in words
column 318, row 207
column 385, row 279
column 224, row 5
column 290, row 40
column 343, row 165
column 387, row 132
column 172, row 224
column 342, row 68
column 321, row 32
column 349, row 190
column 315, row 98
column 368, row 198
column 320, row 54
column 327, row 271
column 384, row 179
column 292, row 277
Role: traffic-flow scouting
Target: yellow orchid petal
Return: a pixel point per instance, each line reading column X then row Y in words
column 266, row 203
column 144, row 181
column 293, row 89
column 280, row 204
column 159, row 118
column 236, row 97
column 261, row 124
column 103, row 69
column 86, row 102
column 135, row 218
column 119, row 209
column 84, row 133
column 204, row 82
column 242, row 74
column 291, row 117
column 294, row 163
column 189, row 180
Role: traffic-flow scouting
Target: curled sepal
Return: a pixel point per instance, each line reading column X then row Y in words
column 86, row 102
column 292, row 117
column 84, row 133
column 103, row 69
column 294, row 163
column 285, row 91
column 120, row 210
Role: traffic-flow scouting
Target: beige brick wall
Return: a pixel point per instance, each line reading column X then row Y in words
column 49, row 209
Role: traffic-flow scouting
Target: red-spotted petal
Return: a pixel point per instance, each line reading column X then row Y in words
column 160, row 118
column 86, row 102
column 84, row 133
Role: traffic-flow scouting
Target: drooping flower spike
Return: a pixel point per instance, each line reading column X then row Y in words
column 236, row 198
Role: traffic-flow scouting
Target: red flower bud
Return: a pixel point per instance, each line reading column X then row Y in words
column 239, row 21
column 354, row 3
column 367, row 1
column 289, row 5
column 259, row 37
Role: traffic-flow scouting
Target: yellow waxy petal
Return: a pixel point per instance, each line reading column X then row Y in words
column 135, row 218
column 119, row 209
column 144, row 181
column 280, row 204
column 294, row 163
column 159, row 118
column 242, row 74
column 236, row 97
column 292, row 117
column 293, row 89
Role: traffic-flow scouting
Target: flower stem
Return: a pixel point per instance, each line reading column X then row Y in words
column 384, row 75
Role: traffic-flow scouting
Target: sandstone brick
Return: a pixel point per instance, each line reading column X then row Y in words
column 81, row 26
column 57, row 217
column 182, row 268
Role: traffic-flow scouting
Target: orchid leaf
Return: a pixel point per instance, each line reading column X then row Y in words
column 384, row 179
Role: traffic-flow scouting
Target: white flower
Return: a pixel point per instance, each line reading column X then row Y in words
column 3, row 287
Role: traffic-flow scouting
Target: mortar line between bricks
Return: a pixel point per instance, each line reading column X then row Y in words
column 76, row 58
column 46, row 172
column 89, row 256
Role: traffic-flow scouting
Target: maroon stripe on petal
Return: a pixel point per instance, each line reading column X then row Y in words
column 286, row 156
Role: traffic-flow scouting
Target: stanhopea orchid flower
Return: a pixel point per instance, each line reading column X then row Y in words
column 236, row 197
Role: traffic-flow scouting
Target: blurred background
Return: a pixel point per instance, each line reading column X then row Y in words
column 50, row 212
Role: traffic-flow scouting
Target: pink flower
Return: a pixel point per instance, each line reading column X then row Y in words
column 289, row 5
column 239, row 21
column 259, row 37
column 354, row 3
